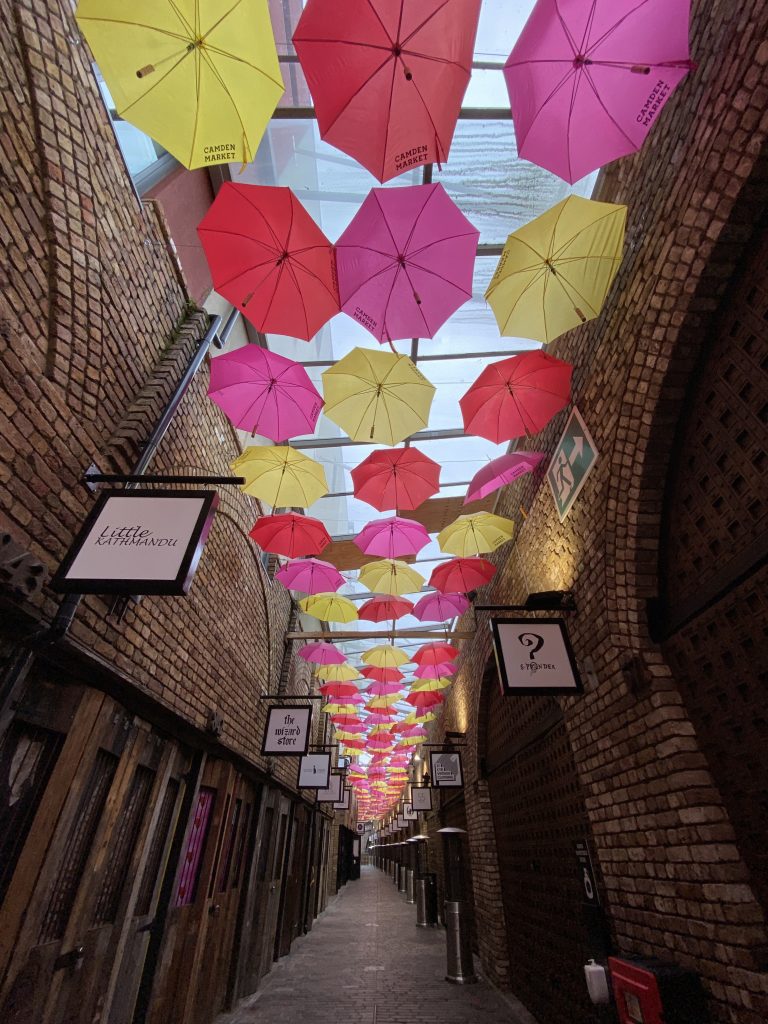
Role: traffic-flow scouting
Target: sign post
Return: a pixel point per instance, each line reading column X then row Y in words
column 571, row 463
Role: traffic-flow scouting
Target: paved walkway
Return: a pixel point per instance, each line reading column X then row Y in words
column 366, row 962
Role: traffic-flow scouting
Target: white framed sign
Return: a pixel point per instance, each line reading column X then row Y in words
column 445, row 769
column 421, row 798
column 408, row 813
column 314, row 771
column 343, row 803
column 355, row 848
column 401, row 822
column 287, row 731
column 534, row 657
column 360, row 827
column 332, row 793
column 138, row 542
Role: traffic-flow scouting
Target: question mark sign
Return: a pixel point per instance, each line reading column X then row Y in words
column 531, row 639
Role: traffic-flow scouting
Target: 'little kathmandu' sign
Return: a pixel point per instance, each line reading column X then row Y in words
column 287, row 732
column 138, row 542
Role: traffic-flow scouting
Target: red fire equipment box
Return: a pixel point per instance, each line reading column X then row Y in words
column 652, row 992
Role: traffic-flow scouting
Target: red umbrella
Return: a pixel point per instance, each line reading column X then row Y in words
column 379, row 609
column 425, row 698
column 337, row 689
column 382, row 675
column 270, row 260
column 517, row 396
column 265, row 393
column 290, row 534
column 400, row 478
column 462, row 575
column 388, row 76
column 435, row 652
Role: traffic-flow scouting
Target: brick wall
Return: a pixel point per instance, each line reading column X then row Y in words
column 675, row 882
column 96, row 330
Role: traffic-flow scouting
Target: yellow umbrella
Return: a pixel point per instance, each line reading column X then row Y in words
column 343, row 673
column 429, row 685
column 339, row 709
column 414, row 718
column 384, row 702
column 390, row 576
column 329, row 607
column 377, row 396
column 385, row 656
column 475, row 534
column 202, row 80
column 554, row 273
column 281, row 476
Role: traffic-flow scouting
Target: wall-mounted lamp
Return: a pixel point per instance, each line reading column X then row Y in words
column 542, row 601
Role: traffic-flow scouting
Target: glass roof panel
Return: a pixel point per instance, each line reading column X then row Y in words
column 501, row 22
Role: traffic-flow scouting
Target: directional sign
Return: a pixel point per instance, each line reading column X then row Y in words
column 574, row 457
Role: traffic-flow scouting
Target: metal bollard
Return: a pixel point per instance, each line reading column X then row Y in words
column 409, row 896
column 426, row 901
column 461, row 970
column 401, row 878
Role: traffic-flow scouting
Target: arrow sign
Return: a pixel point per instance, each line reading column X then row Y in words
column 572, row 462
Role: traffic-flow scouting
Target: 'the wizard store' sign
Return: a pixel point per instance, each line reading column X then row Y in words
column 139, row 542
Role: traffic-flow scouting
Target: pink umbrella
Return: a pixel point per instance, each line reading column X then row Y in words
column 501, row 471
column 311, row 576
column 383, row 689
column 587, row 80
column 321, row 653
column 392, row 537
column 440, row 670
column 439, row 607
column 405, row 262
column 265, row 393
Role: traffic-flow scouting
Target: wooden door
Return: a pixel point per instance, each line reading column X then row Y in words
column 295, row 874
column 73, row 883
column 275, row 886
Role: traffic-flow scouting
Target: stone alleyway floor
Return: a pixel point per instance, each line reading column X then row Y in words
column 366, row 962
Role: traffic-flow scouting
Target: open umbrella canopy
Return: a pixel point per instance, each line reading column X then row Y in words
column 310, row 575
column 475, row 534
column 435, row 671
column 202, row 80
column 281, row 476
column 385, row 656
column 381, row 609
column 462, row 575
column 387, row 76
column 321, row 653
column 384, row 689
column 516, row 397
column 405, row 262
column 555, row 272
column 392, row 537
column 290, row 534
column 264, row 393
column 377, row 396
column 390, row 576
column 578, row 79
column 435, row 652
column 431, row 685
column 424, row 699
column 330, row 608
column 381, row 674
column 501, row 471
column 336, row 672
column 270, row 260
column 440, row 607
column 401, row 479
column 338, row 689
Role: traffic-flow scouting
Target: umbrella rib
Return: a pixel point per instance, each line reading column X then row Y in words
column 418, row 28
column 189, row 28
column 612, row 29
column 225, row 87
column 565, row 28
column 198, row 77
column 439, row 143
column 603, row 216
column 438, row 241
column 571, row 71
column 583, row 298
column 138, row 24
column 531, row 283
column 607, row 112
column 433, row 273
column 391, row 93
column 588, row 27
column 241, row 60
column 155, row 84
column 242, row 194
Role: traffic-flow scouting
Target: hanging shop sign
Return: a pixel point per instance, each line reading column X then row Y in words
column 343, row 803
column 138, row 542
column 445, row 769
column 360, row 827
column 421, row 798
column 287, row 731
column 534, row 657
column 314, row 771
column 408, row 812
column 333, row 792
column 572, row 462
column 401, row 822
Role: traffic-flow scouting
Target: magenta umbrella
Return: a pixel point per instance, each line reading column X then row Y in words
column 501, row 471
column 265, row 393
column 383, row 689
column 310, row 576
column 405, row 262
column 322, row 654
column 392, row 537
column 438, row 671
column 587, row 81
column 439, row 607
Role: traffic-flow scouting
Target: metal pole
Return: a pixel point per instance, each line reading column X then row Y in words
column 345, row 634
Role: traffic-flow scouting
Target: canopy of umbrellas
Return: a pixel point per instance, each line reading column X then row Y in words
column 586, row 79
